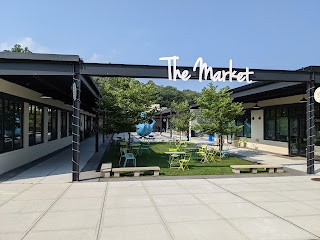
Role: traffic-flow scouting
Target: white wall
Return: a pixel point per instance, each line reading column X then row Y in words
column 17, row 158
column 257, row 131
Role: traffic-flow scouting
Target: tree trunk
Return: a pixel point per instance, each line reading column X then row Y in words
column 180, row 135
column 129, row 139
column 220, row 142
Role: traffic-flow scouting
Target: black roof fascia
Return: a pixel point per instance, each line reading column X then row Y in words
column 262, row 88
column 155, row 71
column 34, row 64
column 39, row 57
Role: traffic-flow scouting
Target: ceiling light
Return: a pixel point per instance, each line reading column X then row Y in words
column 45, row 97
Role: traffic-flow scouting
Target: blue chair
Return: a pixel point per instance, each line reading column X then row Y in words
column 224, row 153
column 129, row 157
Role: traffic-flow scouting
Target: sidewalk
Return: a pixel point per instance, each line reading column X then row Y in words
column 284, row 208
column 58, row 168
column 41, row 204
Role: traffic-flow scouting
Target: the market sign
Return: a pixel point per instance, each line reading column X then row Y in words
column 205, row 72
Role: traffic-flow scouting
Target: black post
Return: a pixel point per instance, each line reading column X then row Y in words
column 103, row 123
column 76, row 89
column 310, row 125
column 160, row 122
column 97, row 132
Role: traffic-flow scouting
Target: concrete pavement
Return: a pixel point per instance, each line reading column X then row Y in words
column 228, row 208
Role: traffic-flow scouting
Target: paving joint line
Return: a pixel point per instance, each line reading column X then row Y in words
column 318, row 237
column 222, row 217
column 17, row 194
column 41, row 215
column 157, row 209
column 101, row 220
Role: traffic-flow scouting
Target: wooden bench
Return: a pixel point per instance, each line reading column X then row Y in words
column 136, row 170
column 106, row 169
column 254, row 168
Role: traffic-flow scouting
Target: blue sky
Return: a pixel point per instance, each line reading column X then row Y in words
column 269, row 34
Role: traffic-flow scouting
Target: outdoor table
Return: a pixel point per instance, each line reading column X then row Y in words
column 171, row 153
column 193, row 152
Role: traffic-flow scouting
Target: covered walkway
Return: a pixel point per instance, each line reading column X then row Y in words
column 57, row 169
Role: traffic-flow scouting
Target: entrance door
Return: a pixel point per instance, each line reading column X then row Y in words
column 298, row 136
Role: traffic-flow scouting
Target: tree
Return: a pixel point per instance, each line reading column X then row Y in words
column 183, row 116
column 218, row 112
column 123, row 100
column 169, row 94
column 18, row 48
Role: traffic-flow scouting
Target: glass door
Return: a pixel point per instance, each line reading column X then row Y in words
column 298, row 138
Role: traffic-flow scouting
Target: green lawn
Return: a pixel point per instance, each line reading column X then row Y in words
column 158, row 158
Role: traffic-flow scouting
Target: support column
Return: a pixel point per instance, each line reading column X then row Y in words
column 97, row 131
column 160, row 122
column 103, row 123
column 45, row 124
column 310, row 125
column 76, row 89
column 59, row 124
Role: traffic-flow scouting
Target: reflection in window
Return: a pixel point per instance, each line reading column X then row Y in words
column 52, row 124
column 269, row 124
column 276, row 124
column 35, row 125
column 10, row 125
column 245, row 121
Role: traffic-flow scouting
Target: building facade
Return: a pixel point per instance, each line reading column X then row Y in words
column 275, row 117
column 36, row 115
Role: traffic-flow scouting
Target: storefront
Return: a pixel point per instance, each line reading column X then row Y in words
column 275, row 120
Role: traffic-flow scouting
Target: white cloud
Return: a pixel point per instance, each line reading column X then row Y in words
column 25, row 42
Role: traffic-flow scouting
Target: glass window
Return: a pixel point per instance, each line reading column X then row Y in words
column 52, row 124
column 245, row 121
column 35, row 125
column 18, row 125
column 31, row 125
column 276, row 124
column 282, row 126
column 63, row 124
column 39, row 125
column 1, row 125
column 269, row 124
column 10, row 125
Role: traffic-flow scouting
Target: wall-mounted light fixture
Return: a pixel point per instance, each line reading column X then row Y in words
column 256, row 106
column 259, row 118
column 252, row 118
column 303, row 100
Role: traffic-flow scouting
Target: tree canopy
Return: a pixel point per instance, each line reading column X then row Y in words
column 18, row 48
column 218, row 112
column 183, row 116
column 123, row 100
column 167, row 95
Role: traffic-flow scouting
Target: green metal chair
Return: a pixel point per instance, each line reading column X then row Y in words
column 145, row 147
